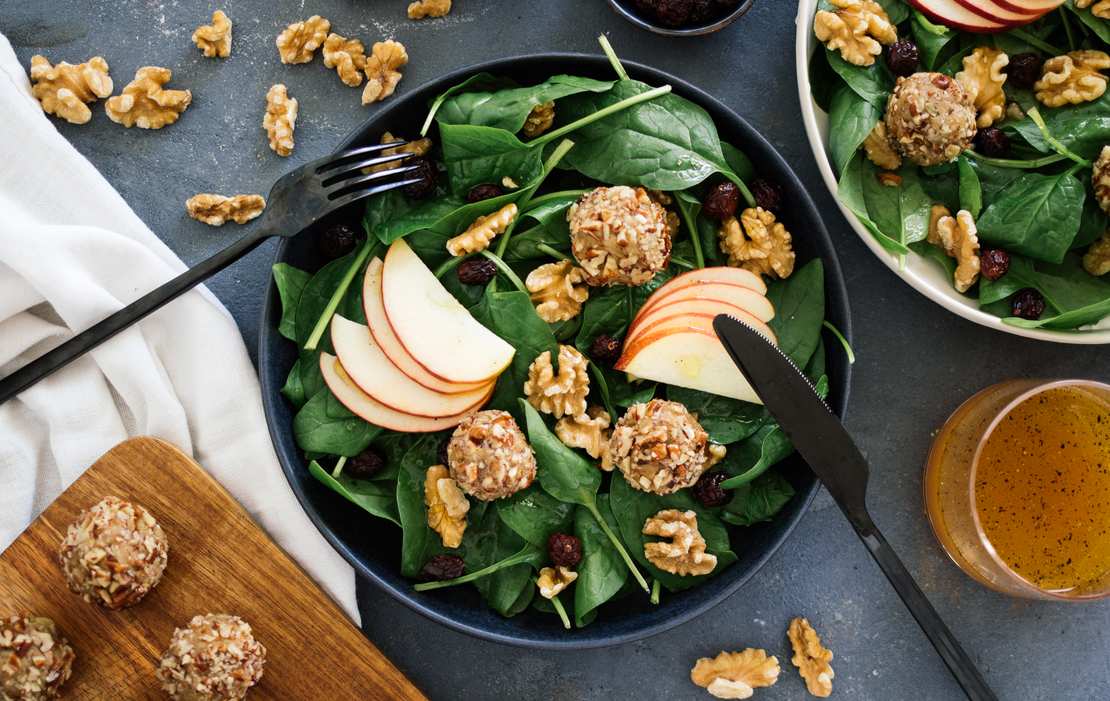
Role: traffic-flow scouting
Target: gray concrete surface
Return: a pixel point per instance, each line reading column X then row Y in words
column 916, row 361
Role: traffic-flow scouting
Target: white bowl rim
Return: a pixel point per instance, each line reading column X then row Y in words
column 935, row 286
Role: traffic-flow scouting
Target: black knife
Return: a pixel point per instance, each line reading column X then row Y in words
column 821, row 440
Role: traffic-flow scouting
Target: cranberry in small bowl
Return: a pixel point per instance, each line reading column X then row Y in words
column 681, row 17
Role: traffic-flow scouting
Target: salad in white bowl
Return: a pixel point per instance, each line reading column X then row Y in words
column 968, row 143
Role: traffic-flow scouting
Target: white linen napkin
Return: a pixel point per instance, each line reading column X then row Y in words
column 72, row 252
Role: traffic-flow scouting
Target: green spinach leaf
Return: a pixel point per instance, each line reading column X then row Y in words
column 872, row 83
column 534, row 515
column 418, row 541
column 1036, row 215
column 971, row 191
column 476, row 155
column 323, row 425
column 508, row 108
column 601, row 574
column 290, row 283
column 376, row 498
column 851, row 119
column 799, row 302
column 758, row 501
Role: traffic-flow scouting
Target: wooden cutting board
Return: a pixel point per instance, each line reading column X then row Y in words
column 220, row 562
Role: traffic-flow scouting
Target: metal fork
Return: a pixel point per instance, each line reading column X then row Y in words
column 296, row 201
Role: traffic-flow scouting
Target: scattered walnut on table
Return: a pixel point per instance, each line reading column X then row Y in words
column 982, row 79
column 1100, row 8
column 558, row 290
column 483, row 230
column 736, row 675
column 217, row 210
column 383, row 70
column 1096, row 260
column 685, row 553
column 63, row 90
column 757, row 243
column 553, row 580
column 563, row 393
column 539, row 119
column 280, row 119
column 298, row 42
column 145, row 103
column 489, row 456
column 1073, row 78
column 1100, row 179
column 447, row 506
column 811, row 657
column 879, row 150
column 958, row 238
column 589, row 431
column 214, row 39
column 422, row 9
column 347, row 57
column 858, row 28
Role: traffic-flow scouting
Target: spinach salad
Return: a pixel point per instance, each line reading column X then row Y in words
column 614, row 132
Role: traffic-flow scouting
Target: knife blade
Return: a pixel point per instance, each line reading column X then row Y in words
column 820, row 438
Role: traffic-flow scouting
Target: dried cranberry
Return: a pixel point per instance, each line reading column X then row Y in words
column 1027, row 303
column 565, row 550
column 902, row 57
column 708, row 490
column 721, row 201
column 364, row 465
column 992, row 141
column 485, row 191
column 605, row 349
column 1024, row 70
column 441, row 452
column 672, row 13
column 993, row 263
column 426, row 173
column 476, row 271
column 443, row 567
column 767, row 194
column 337, row 241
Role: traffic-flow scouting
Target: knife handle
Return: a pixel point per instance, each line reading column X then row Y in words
column 958, row 661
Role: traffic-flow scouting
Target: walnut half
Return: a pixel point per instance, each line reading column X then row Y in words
column 959, row 239
column 63, row 90
column 563, row 393
column 589, row 431
column 298, row 42
column 811, row 657
column 757, row 243
column 1096, row 260
column 858, row 28
column 685, row 553
column 558, row 290
column 1100, row 8
column 879, row 150
column 553, row 580
column 217, row 210
column 483, row 230
column 429, row 8
column 214, row 39
column 347, row 57
column 447, row 506
column 383, row 70
column 145, row 103
column 1073, row 78
column 982, row 79
column 736, row 675
column 280, row 119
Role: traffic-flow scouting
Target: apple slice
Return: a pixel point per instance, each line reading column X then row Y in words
column 699, row 321
column 369, row 409
column 1041, row 6
column 715, row 275
column 436, row 330
column 688, row 358
column 390, row 345
column 370, row 369
column 952, row 14
column 994, row 12
column 713, row 295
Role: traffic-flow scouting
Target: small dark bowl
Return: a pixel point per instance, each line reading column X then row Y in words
column 372, row 546
column 627, row 10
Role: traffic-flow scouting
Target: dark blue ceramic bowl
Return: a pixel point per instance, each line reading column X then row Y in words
column 372, row 546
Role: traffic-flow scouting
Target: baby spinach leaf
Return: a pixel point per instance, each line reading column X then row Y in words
column 799, row 303
column 897, row 11
column 512, row 316
column 850, row 190
column 1084, row 129
column 872, row 83
column 750, row 459
column 1092, row 223
column 1036, row 215
column 993, row 179
column 610, row 310
column 758, row 501
column 375, row 498
column 851, row 119
column 534, row 515
column 971, row 191
column 824, row 81
column 551, row 229
column 290, row 283
column 738, row 161
column 317, row 293
column 601, row 574
column 477, row 82
column 931, row 39
column 1099, row 26
column 508, row 108
column 500, row 562
column 1075, row 298
column 476, row 155
column 418, row 541
column 902, row 211
column 726, row 420
column 323, row 425
column 293, row 390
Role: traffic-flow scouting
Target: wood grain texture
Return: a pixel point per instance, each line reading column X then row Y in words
column 220, row 561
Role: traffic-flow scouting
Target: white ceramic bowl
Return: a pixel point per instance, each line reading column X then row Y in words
column 923, row 275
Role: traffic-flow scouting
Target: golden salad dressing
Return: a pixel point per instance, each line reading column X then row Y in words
column 1042, row 489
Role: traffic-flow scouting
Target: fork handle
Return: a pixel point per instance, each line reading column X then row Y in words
column 101, row 331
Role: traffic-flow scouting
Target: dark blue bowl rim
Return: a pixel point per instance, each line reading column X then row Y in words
column 836, row 309
column 630, row 14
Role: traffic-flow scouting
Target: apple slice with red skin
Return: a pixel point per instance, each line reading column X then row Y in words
column 390, row 345
column 719, row 275
column 690, row 358
column 370, row 369
column 952, row 14
column 702, row 321
column 988, row 9
column 369, row 409
column 717, row 293
column 1038, row 6
column 434, row 327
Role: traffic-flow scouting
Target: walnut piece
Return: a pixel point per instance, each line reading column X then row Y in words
column 539, row 119
column 736, row 675
column 429, row 8
column 214, row 39
column 558, row 290
column 858, row 28
column 419, row 147
column 489, row 456
column 685, row 553
column 447, row 506
column 589, row 431
column 811, row 658
column 63, row 90
column 483, row 230
column 959, row 239
column 553, row 580
column 299, row 41
column 757, row 243
column 879, row 150
column 1100, row 179
column 383, row 70
column 1096, row 260
column 659, row 447
column 1073, row 78
column 145, row 103
column 217, row 210
column 562, row 394
column 982, row 79
column 280, row 119
column 619, row 235
column 1101, row 8
column 347, row 57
